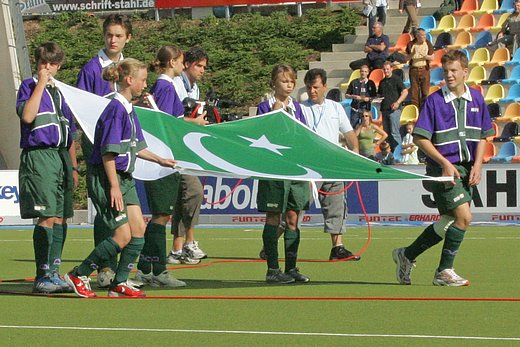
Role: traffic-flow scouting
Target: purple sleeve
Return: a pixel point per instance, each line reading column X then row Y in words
column 426, row 121
column 167, row 99
column 262, row 108
column 110, row 127
column 85, row 82
column 24, row 93
column 299, row 113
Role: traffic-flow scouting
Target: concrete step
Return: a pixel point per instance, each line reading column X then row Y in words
column 331, row 65
column 348, row 47
column 341, row 56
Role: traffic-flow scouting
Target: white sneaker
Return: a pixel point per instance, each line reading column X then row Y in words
column 181, row 258
column 404, row 266
column 448, row 277
column 136, row 283
column 166, row 280
column 144, row 278
column 105, row 277
column 193, row 251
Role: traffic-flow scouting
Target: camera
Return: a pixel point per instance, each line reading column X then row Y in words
column 211, row 105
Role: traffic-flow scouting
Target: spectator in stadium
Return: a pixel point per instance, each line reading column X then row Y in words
column 394, row 92
column 509, row 35
column 376, row 49
column 118, row 141
column 409, row 149
column 420, row 53
column 457, row 154
column 328, row 119
column 282, row 198
column 117, row 32
column 369, row 135
column 385, row 156
column 189, row 199
column 410, row 7
column 48, row 168
column 162, row 193
column 361, row 91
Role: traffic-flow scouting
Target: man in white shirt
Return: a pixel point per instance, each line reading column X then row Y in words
column 195, row 64
column 328, row 119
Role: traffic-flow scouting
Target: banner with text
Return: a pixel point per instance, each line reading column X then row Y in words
column 212, row 3
column 30, row 7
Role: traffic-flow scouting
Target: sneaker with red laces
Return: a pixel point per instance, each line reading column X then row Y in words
column 125, row 289
column 80, row 284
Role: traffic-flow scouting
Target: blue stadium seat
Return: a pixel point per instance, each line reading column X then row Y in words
column 443, row 40
column 507, row 152
column 506, row 6
column 513, row 95
column 436, row 76
column 398, row 157
column 483, row 38
column 428, row 23
column 514, row 78
column 515, row 60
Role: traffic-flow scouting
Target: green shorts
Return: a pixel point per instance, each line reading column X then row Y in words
column 46, row 186
column 162, row 194
column 99, row 192
column 280, row 196
column 448, row 197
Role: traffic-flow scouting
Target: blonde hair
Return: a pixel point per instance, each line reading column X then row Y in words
column 127, row 67
column 164, row 55
column 284, row 69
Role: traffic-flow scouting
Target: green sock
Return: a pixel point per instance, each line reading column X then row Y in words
column 104, row 251
column 427, row 239
column 128, row 256
column 101, row 233
column 270, row 238
column 42, row 239
column 292, row 242
column 153, row 255
column 454, row 237
column 59, row 232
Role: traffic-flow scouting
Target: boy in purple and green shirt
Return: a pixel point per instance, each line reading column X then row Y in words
column 451, row 130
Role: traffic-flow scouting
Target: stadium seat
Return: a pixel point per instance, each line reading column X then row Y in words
column 433, row 89
column 497, row 75
column 488, row 6
column 429, row 37
column 479, row 88
column 515, row 60
column 463, row 40
column 501, row 20
column 489, row 152
column 494, row 110
column 485, row 23
column 494, row 93
column 509, row 131
column 437, row 76
column 334, row 94
column 513, row 95
column 402, row 41
column 483, row 38
column 445, row 25
column 377, row 117
column 480, row 56
column 496, row 129
column 442, row 41
column 409, row 114
column 500, row 57
column 346, row 102
column 437, row 56
column 476, row 75
column 468, row 7
column 376, row 76
column 428, row 23
column 353, row 75
column 465, row 51
column 512, row 112
column 506, row 153
column 466, row 23
column 398, row 157
column 505, row 6
column 514, row 78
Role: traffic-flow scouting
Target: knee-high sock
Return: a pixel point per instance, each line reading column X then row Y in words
column 42, row 239
column 153, row 255
column 427, row 239
column 126, row 261
column 101, row 233
column 270, row 239
column 450, row 248
column 292, row 242
column 104, row 251
column 59, row 234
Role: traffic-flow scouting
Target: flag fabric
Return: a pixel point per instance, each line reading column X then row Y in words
column 271, row 146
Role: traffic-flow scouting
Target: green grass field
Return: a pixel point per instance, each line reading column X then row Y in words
column 229, row 304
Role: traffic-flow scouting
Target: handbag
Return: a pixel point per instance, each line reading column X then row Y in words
column 367, row 10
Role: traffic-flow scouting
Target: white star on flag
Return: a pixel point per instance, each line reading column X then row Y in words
column 263, row 142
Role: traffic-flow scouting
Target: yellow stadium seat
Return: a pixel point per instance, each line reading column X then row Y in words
column 480, row 56
column 488, row 6
column 500, row 23
column 463, row 40
column 500, row 57
column 466, row 23
column 445, row 24
column 476, row 75
column 494, row 93
column 433, row 89
column 355, row 74
column 409, row 114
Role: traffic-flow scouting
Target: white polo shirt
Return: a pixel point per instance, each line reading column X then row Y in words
column 328, row 120
column 184, row 89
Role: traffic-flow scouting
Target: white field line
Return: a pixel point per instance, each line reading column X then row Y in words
column 252, row 332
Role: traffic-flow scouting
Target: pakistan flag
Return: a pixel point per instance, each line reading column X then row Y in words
column 271, row 146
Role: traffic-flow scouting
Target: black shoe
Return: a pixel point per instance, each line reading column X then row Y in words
column 298, row 277
column 340, row 252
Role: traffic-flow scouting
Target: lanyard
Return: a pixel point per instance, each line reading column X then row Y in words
column 315, row 125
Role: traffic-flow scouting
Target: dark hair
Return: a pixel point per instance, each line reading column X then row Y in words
column 118, row 19
column 282, row 68
column 49, row 52
column 164, row 55
column 456, row 55
column 127, row 67
column 195, row 54
column 313, row 74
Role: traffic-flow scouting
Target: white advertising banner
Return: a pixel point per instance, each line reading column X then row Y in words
column 10, row 199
